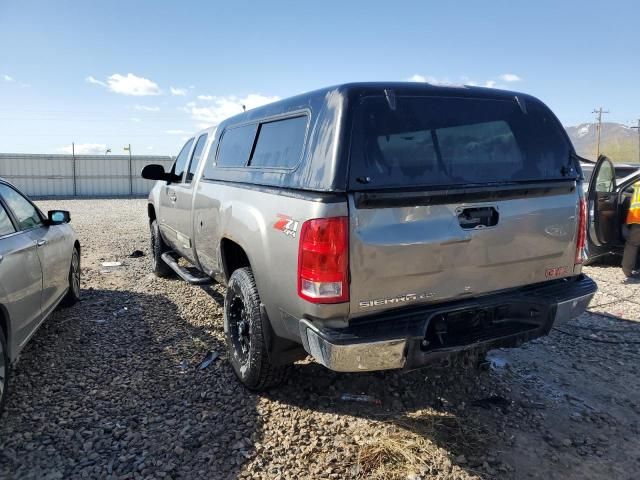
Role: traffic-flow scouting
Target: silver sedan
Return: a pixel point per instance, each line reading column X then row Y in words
column 39, row 269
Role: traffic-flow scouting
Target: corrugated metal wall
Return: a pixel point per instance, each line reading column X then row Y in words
column 95, row 175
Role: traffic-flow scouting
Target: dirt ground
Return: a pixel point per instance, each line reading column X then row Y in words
column 111, row 388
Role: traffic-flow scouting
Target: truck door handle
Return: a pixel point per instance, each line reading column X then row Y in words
column 477, row 217
column 41, row 242
column 172, row 196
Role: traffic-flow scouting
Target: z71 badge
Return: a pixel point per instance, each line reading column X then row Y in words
column 286, row 225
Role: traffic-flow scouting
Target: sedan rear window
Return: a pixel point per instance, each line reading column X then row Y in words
column 440, row 141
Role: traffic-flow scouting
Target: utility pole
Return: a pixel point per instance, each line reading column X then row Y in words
column 599, row 112
column 128, row 148
column 638, row 128
column 73, row 168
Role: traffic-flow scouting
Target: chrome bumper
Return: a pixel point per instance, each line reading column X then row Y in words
column 571, row 308
column 356, row 357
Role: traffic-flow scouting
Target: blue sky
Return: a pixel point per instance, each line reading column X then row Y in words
column 105, row 74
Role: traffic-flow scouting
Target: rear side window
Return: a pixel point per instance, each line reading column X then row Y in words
column 441, row 141
column 195, row 158
column 235, row 146
column 280, row 143
column 24, row 212
column 6, row 227
column 181, row 160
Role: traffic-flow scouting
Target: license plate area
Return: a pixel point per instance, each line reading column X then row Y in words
column 480, row 324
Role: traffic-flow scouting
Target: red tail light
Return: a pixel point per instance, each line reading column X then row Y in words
column 581, row 235
column 323, row 260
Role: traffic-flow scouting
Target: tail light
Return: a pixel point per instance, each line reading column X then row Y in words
column 581, row 234
column 323, row 260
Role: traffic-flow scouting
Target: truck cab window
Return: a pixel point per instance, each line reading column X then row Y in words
column 181, row 161
column 195, row 158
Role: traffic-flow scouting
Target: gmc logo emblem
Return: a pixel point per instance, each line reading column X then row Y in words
column 556, row 272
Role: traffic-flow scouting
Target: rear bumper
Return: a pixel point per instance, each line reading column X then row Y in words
column 411, row 338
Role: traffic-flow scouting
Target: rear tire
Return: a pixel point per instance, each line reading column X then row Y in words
column 5, row 369
column 158, row 247
column 248, row 350
column 73, row 294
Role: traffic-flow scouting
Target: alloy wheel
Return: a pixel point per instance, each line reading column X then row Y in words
column 75, row 273
column 240, row 328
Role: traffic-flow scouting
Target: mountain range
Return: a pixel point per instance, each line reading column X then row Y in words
column 617, row 141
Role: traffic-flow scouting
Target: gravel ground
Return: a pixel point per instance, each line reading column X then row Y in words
column 110, row 388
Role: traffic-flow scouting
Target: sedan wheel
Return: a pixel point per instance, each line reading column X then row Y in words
column 75, row 273
column 73, row 294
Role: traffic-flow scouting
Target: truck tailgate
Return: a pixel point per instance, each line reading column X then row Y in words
column 405, row 254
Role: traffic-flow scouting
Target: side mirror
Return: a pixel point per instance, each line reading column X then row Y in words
column 58, row 217
column 156, row 172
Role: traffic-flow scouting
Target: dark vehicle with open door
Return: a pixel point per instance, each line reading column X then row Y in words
column 609, row 199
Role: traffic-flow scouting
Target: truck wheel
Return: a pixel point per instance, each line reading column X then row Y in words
column 243, row 331
column 73, row 294
column 158, row 247
column 5, row 369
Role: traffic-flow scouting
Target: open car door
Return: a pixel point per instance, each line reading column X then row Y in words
column 604, row 225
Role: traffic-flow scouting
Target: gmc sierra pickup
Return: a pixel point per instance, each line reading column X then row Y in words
column 377, row 226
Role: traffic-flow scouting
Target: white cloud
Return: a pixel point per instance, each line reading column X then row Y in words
column 510, row 77
column 85, row 148
column 135, row 119
column 94, row 81
column 176, row 132
column 421, row 78
column 8, row 78
column 149, row 147
column 127, row 85
column 132, row 85
column 205, row 97
column 416, row 77
column 179, row 92
column 225, row 107
column 144, row 108
column 490, row 84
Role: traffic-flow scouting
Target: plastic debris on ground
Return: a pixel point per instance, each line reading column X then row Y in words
column 111, row 264
column 353, row 397
column 208, row 360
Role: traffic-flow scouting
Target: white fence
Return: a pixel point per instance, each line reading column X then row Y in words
column 79, row 175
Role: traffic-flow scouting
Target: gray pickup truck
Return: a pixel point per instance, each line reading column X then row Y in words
column 377, row 226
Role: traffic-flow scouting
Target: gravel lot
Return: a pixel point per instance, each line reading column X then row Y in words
column 110, row 388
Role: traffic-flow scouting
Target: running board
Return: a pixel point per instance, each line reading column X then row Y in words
column 183, row 273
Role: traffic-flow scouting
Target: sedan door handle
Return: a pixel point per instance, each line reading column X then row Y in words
column 41, row 242
column 1, row 258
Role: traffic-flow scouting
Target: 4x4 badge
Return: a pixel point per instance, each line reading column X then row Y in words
column 286, row 225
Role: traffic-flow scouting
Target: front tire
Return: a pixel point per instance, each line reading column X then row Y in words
column 73, row 293
column 243, row 328
column 158, row 247
column 5, row 369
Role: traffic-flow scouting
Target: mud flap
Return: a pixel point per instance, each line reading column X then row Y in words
column 281, row 351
